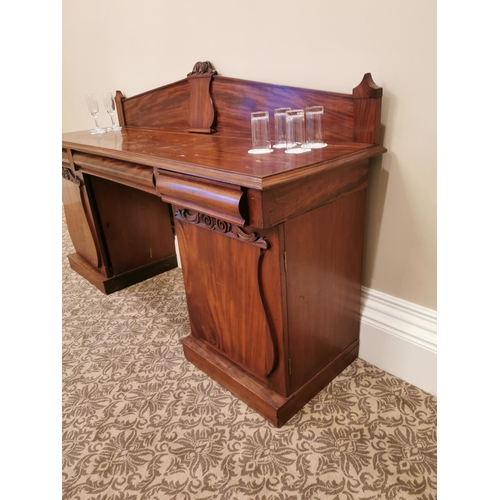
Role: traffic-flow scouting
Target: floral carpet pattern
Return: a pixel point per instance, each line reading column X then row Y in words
column 140, row 422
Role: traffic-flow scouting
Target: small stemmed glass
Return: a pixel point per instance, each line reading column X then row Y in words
column 109, row 104
column 93, row 107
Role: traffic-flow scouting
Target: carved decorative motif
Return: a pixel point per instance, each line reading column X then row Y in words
column 221, row 227
column 202, row 67
column 69, row 175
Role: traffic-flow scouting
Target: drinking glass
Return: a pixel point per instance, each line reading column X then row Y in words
column 295, row 132
column 280, row 127
column 261, row 144
column 93, row 107
column 314, row 127
column 109, row 104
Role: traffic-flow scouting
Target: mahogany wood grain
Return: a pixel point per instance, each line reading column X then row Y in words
column 231, row 285
column 367, row 89
column 76, row 218
column 367, row 112
column 324, row 249
column 163, row 108
column 217, row 103
column 215, row 157
column 223, row 280
column 367, row 99
column 119, row 97
column 130, row 174
column 65, row 159
column 282, row 202
column 273, row 291
column 131, row 234
column 111, row 284
column 200, row 109
column 88, row 271
column 235, row 99
column 221, row 201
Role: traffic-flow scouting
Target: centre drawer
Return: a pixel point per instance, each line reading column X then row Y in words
column 223, row 201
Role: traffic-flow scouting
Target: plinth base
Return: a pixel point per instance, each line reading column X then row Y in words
column 112, row 284
column 274, row 407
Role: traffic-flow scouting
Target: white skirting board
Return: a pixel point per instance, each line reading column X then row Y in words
column 400, row 337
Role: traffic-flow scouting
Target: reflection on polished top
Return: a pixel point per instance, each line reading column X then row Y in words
column 221, row 157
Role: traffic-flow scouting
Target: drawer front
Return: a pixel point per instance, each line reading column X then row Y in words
column 221, row 201
column 123, row 172
column 65, row 158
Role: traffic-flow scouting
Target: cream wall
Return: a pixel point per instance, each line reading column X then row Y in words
column 136, row 46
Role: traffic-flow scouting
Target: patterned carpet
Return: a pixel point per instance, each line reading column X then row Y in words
column 139, row 422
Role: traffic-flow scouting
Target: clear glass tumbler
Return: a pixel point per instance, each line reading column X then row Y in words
column 314, row 127
column 280, row 127
column 295, row 132
column 261, row 142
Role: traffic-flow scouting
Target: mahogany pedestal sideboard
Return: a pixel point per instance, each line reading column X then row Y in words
column 271, row 245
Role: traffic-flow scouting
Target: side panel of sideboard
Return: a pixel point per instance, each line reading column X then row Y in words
column 324, row 250
column 88, row 258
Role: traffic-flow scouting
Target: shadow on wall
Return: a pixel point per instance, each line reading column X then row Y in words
column 378, row 179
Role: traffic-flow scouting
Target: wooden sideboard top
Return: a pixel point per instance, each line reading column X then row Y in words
column 200, row 126
column 217, row 157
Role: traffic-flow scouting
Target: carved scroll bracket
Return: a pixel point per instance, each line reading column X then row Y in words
column 201, row 110
column 222, row 227
column 69, row 175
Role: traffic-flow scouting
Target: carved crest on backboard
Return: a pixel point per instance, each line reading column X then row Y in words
column 202, row 67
